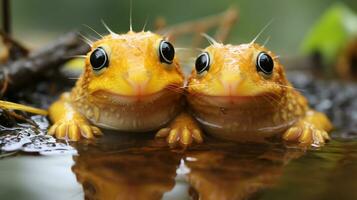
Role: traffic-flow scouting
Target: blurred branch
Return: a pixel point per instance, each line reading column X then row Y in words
column 23, row 71
column 6, row 21
column 224, row 21
column 226, row 24
column 14, row 50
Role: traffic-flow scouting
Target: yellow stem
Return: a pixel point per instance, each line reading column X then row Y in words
column 15, row 106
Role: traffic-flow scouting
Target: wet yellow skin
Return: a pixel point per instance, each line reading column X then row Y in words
column 135, row 93
column 234, row 101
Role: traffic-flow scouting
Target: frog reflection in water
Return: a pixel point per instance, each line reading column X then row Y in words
column 131, row 82
column 219, row 170
column 113, row 172
column 231, row 171
column 240, row 93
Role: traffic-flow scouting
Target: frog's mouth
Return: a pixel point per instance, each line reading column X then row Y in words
column 234, row 100
column 110, row 97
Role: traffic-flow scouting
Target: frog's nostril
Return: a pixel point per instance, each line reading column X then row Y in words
column 138, row 80
column 230, row 83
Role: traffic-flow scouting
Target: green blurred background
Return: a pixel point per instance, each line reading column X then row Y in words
column 36, row 22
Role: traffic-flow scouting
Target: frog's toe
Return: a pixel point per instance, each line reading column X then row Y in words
column 61, row 131
column 86, row 131
column 96, row 131
column 73, row 130
column 182, row 131
column 306, row 134
column 197, row 135
column 52, row 129
column 183, row 136
column 74, row 133
column 174, row 137
column 162, row 133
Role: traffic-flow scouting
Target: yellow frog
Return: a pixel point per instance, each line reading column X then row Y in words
column 240, row 93
column 130, row 82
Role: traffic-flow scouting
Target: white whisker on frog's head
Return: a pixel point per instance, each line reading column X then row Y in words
column 86, row 39
column 261, row 31
column 92, row 29
column 108, row 29
column 131, row 16
column 266, row 41
column 210, row 39
column 146, row 22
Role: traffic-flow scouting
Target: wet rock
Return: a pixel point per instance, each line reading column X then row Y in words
column 336, row 99
column 27, row 138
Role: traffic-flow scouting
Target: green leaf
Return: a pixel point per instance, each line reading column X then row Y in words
column 332, row 32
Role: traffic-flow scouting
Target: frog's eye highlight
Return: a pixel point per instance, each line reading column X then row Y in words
column 99, row 59
column 265, row 63
column 166, row 51
column 202, row 63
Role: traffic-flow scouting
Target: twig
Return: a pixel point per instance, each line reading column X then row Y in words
column 229, row 18
column 6, row 22
column 25, row 70
column 14, row 50
column 224, row 21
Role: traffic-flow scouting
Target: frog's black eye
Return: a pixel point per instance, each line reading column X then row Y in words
column 99, row 59
column 265, row 63
column 202, row 63
column 166, row 51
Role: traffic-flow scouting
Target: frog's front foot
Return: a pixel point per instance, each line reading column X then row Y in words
column 182, row 131
column 73, row 130
column 310, row 130
column 306, row 134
